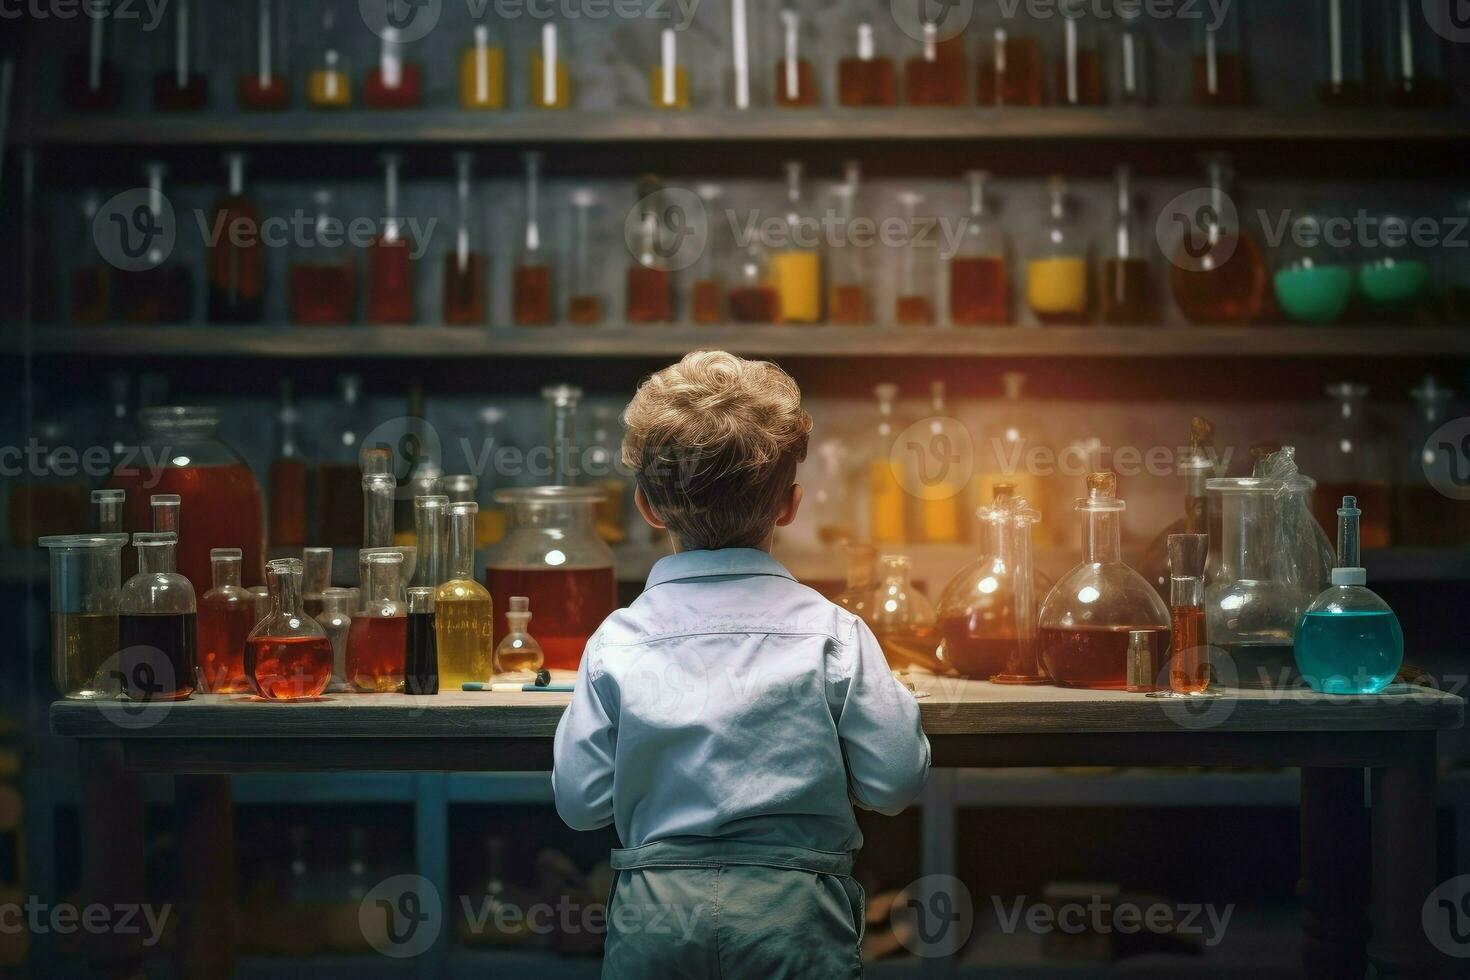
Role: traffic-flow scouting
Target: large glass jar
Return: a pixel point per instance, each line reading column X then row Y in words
column 551, row 553
column 221, row 502
column 86, row 576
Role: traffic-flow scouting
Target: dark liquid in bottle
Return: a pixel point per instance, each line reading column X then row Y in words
column 914, row 311
column 1189, row 656
column 170, row 96
column 936, row 83
column 1089, row 88
column 222, row 508
column 464, row 290
column 1128, row 292
column 1373, row 501
column 1225, row 86
column 977, row 648
column 157, row 655
column 753, row 304
column 91, row 300
column 1093, row 657
column 979, row 291
column 584, row 311
column 1015, row 81
column 707, row 302
column 421, row 671
column 849, row 305
column 288, row 503
column 236, row 264
column 79, row 95
column 801, row 95
column 161, row 295
column 568, row 605
column 289, row 668
column 376, row 649
column 407, row 94
column 339, row 505
column 390, row 282
column 866, row 83
column 323, row 295
column 224, row 626
column 270, row 92
column 531, row 295
column 650, row 295
column 1232, row 291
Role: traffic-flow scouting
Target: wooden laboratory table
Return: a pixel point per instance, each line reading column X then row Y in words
column 1366, row 856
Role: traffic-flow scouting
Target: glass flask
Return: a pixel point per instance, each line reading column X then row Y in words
column 861, row 593
column 226, row 616
column 421, row 655
column 236, row 285
column 464, row 617
column 1424, row 517
column 796, row 83
column 707, row 294
column 1079, row 74
column 1011, row 70
column 981, row 612
column 1001, row 460
column 393, row 83
column 464, row 267
column 431, row 524
column 1197, row 466
column 885, row 498
column 914, row 304
column 1219, row 60
column 323, row 274
column 482, row 72
column 263, row 83
column 378, row 639
column 551, row 77
column 1189, row 649
column 531, row 289
column 164, row 292
column 329, row 84
column 1413, row 53
column 932, row 79
column 316, row 578
column 827, row 480
column 561, row 432
column 262, row 597
column 1395, row 279
column 91, row 81
column 288, row 654
column 1313, row 283
column 1219, row 274
column 1352, row 464
column 1023, row 667
column 866, row 77
column 796, row 269
column 1057, row 273
column 86, row 579
column 518, row 655
column 338, row 478
column 903, row 619
column 224, row 503
column 180, row 85
column 156, row 624
column 1135, row 60
column 1088, row 616
column 390, row 257
column 1341, row 75
column 1128, row 295
column 942, row 517
column 91, row 276
column 753, row 297
column 979, row 273
column 668, row 81
column 603, row 459
column 288, row 477
column 847, row 272
column 551, row 554
column 335, row 619
column 650, row 284
column 584, row 302
column 1349, row 641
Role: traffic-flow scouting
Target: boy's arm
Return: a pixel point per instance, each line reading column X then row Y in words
column 582, row 757
column 882, row 737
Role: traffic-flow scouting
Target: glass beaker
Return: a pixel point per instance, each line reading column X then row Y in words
column 584, row 302
column 180, row 85
column 482, row 72
column 1219, row 274
column 323, row 275
column 1395, row 277
column 1423, row 516
column 668, row 81
column 932, row 79
column 519, row 655
column 377, row 641
column 464, row 617
column 316, row 578
column 263, row 76
column 903, row 619
column 551, row 554
column 551, row 77
column 1413, row 56
column 1128, row 294
column 226, row 617
column 1135, row 60
column 865, row 77
column 847, row 300
column 1197, row 466
column 156, row 624
column 224, row 503
column 1341, row 76
column 1351, row 463
column 1087, row 617
column 650, row 284
column 914, row 304
column 1219, row 60
column 91, row 81
column 236, row 285
column 1057, row 288
column 464, row 267
column 1079, row 74
column 390, row 257
column 1313, row 283
column 1011, row 70
column 86, row 579
column 393, row 83
column 288, row 654
column 979, row 274
column 531, row 288
column 329, row 84
column 796, row 83
column 796, row 268
column 421, row 655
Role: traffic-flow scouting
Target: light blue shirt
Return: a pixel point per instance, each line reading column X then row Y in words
column 730, row 701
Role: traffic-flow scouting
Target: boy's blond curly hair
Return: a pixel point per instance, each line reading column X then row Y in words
column 715, row 441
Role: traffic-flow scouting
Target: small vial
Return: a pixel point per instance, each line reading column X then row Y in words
column 518, row 652
column 394, row 83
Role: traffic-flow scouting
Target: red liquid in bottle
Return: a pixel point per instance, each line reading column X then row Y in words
column 1229, row 81
column 236, row 264
column 77, row 92
column 1229, row 291
column 222, row 508
column 804, row 95
column 754, row 304
column 849, row 306
column 979, row 291
column 568, row 606
column 288, row 503
column 977, row 646
column 914, row 311
column 1094, row 657
column 1090, row 89
column 707, row 302
column 464, row 290
column 1189, row 656
column 1020, row 83
column 377, row 648
column 156, row 655
column 936, row 83
column 289, row 668
column 650, row 295
column 531, row 295
column 170, row 96
column 1128, row 292
column 407, row 94
column 866, row 83
column 323, row 295
column 271, row 92
column 584, row 311
column 224, row 626
column 390, row 282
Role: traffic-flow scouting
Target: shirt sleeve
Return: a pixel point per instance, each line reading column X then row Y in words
column 582, row 756
column 882, row 736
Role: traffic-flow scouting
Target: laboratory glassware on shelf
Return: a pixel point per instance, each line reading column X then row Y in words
column 1011, row 70
column 107, row 512
column 650, row 283
column 338, row 476
column 584, row 281
column 377, row 641
column 1352, row 463
column 940, row 512
column 1196, row 468
column 316, row 579
column 482, row 71
column 464, row 620
column 180, row 84
column 979, row 271
column 329, row 83
column 796, row 268
column 1220, row 73
column 235, row 288
column 551, row 75
column 431, row 528
column 288, row 477
column 1079, row 71
column 531, row 285
column 1023, row 667
column 668, row 81
column 1189, row 650
column 1349, row 641
column 518, row 656
column 323, row 273
column 753, row 297
column 860, row 595
column 91, row 275
column 932, row 78
column 881, row 492
column 827, row 477
column 795, row 80
column 1057, row 272
column 156, row 624
column 903, row 619
column 395, row 82
column 1394, row 278
column 1087, row 617
column 163, row 292
column 561, row 402
column 1134, row 60
column 1424, row 516
column 263, row 77
column 1313, row 282
column 603, row 461
column 1219, row 274
column 335, row 619
column 390, row 272
column 847, row 269
column 421, row 649
column 707, row 291
column 914, row 304
column 1341, row 74
column 288, row 655
column 1413, row 52
column 1128, row 292
column 1002, row 460
column 90, row 80
column 464, row 265
column 866, row 76
column 86, row 583
column 226, row 615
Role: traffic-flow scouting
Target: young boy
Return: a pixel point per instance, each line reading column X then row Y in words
column 728, row 720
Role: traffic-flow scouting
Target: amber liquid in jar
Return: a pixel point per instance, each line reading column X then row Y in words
column 1093, row 657
column 1189, row 666
column 377, row 647
column 802, row 95
column 531, row 295
column 866, row 83
column 1232, row 291
column 1020, row 84
column 911, row 647
column 323, row 295
column 1226, row 87
column 1127, row 292
column 290, row 668
column 980, row 648
column 568, row 605
column 914, row 311
column 464, row 290
column 934, row 83
column 650, row 295
column 979, row 291
column 753, row 304
column 223, row 628
column 849, row 305
column 707, row 302
column 390, row 282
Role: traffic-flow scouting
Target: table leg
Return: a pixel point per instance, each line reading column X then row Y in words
column 206, row 877
column 112, row 852
column 1334, row 873
column 1404, row 862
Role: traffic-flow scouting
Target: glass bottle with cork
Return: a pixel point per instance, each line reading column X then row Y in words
column 377, row 641
column 796, row 82
column 1128, row 294
column 518, row 656
column 531, row 286
column 464, row 266
column 1219, row 273
column 866, row 77
column 551, row 78
column 979, row 274
column 584, row 301
column 650, row 284
column 323, row 274
column 394, row 82
column 263, row 83
column 86, row 582
column 482, row 71
column 1057, row 287
column 431, row 525
column 390, row 271
column 157, row 632
column 179, row 85
column 329, row 84
column 236, row 260
column 796, row 268
column 464, row 616
column 226, row 616
column 288, row 654
column 91, row 81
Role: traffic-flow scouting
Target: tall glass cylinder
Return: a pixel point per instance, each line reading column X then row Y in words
column 561, row 432
column 979, row 273
column 91, row 81
column 482, row 71
column 865, row 77
column 1128, row 293
column 551, row 77
column 85, row 582
column 323, row 273
column 650, row 284
column 1134, row 61
column 431, row 526
column 464, row 624
column 235, row 292
column 394, row 82
column 795, row 79
column 390, row 293
column 914, row 305
column 1079, row 74
column 1413, row 56
column 796, row 268
column 329, row 84
column 464, row 265
column 1220, row 75
column 531, row 288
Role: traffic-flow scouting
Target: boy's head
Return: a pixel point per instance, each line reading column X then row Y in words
column 715, row 441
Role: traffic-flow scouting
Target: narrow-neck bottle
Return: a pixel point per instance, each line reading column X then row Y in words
column 421, row 656
column 288, row 654
column 518, row 654
column 464, row 624
column 226, row 617
column 156, row 629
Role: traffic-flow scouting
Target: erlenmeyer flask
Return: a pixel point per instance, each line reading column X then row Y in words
column 288, row 655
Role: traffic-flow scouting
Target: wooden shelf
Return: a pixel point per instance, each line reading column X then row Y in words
column 435, row 343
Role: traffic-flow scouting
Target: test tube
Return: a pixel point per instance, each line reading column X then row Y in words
column 550, row 77
column 795, row 87
column 377, row 509
column 1189, row 664
column 532, row 280
column 464, row 277
column 740, row 52
column 585, row 305
column 316, row 578
column 669, row 82
column 429, row 524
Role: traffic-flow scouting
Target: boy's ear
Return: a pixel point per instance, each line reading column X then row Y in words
column 646, row 509
column 789, row 509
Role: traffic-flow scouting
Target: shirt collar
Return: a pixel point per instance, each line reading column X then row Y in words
column 709, row 564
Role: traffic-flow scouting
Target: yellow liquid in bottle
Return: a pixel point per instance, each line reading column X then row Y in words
column 482, row 78
column 1057, row 286
column 941, row 521
column 80, row 644
column 563, row 85
column 657, row 95
column 329, row 88
column 797, row 278
column 464, row 629
column 888, row 502
column 489, row 526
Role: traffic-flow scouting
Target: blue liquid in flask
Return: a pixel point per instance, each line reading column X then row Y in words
column 1349, row 652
